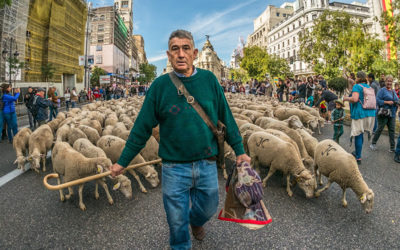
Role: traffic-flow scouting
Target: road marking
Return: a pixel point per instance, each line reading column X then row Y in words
column 17, row 172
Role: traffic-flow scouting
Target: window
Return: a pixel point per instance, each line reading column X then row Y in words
column 102, row 17
column 125, row 4
column 100, row 28
column 95, row 18
column 288, row 42
column 99, row 59
column 294, row 26
column 294, row 54
column 284, row 15
column 99, row 47
column 299, row 23
column 279, row 46
column 314, row 16
column 287, row 29
column 100, row 38
column 277, row 13
column 306, row 18
column 283, row 44
column 294, row 39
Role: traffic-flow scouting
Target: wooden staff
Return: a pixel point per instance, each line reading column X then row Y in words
column 89, row 178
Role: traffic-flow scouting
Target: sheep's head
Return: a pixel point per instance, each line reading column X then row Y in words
column 306, row 182
column 321, row 122
column 152, row 178
column 21, row 162
column 367, row 201
column 34, row 160
column 294, row 122
column 313, row 124
column 309, row 163
column 123, row 184
column 269, row 113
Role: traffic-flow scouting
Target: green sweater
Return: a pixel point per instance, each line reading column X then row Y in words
column 184, row 136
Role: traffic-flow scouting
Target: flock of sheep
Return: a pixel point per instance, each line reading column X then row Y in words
column 89, row 140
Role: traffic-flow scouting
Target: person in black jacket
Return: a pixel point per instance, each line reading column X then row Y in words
column 28, row 100
column 329, row 97
column 302, row 89
column 41, row 107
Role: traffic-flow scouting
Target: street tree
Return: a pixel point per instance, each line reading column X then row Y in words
column 48, row 70
column 390, row 23
column 148, row 72
column 239, row 75
column 257, row 63
column 3, row 3
column 95, row 76
column 14, row 67
column 339, row 42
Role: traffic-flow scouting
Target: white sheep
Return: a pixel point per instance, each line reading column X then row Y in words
column 75, row 134
column 21, row 146
column 113, row 147
column 121, row 182
column 341, row 167
column 91, row 133
column 269, row 150
column 40, row 143
column 72, row 165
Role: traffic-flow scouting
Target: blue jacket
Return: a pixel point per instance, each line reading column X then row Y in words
column 9, row 103
column 387, row 95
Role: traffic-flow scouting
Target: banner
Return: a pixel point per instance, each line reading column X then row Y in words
column 105, row 79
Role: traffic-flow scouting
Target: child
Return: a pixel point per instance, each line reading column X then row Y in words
column 310, row 101
column 293, row 93
column 322, row 110
column 337, row 118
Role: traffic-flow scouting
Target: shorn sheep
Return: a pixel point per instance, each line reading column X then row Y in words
column 269, row 150
column 341, row 167
column 21, row 146
column 72, row 165
column 40, row 143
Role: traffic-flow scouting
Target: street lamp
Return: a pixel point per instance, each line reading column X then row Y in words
column 8, row 55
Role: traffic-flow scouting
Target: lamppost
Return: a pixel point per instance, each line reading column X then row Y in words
column 8, row 55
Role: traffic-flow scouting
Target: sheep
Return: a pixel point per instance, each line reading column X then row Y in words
column 267, row 149
column 305, row 117
column 54, row 124
column 253, row 115
column 121, row 182
column 242, row 117
column 156, row 133
column 61, row 116
column 111, row 120
column 40, row 143
column 113, row 147
column 63, row 132
column 91, row 133
column 310, row 142
column 93, row 124
column 72, row 165
column 341, row 167
column 75, row 134
column 107, row 130
column 119, row 127
column 294, row 135
column 240, row 122
column 150, row 150
column 21, row 146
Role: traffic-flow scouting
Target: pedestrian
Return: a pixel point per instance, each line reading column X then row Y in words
column 10, row 116
column 362, row 120
column 53, row 108
column 382, row 81
column 329, row 97
column 322, row 82
column 281, row 90
column 28, row 103
column 41, row 106
column 376, row 86
column 261, row 90
column 310, row 101
column 337, row 118
column 74, row 97
column 301, row 91
column 397, row 89
column 1, row 114
column 67, row 96
column 310, row 87
column 387, row 108
column 189, row 173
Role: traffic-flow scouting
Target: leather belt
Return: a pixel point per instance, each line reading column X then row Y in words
column 212, row 158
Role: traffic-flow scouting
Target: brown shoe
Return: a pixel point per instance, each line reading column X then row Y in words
column 198, row 232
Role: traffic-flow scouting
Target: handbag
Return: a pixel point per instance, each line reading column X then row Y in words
column 218, row 131
column 385, row 112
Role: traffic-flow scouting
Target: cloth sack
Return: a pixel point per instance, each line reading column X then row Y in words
column 243, row 203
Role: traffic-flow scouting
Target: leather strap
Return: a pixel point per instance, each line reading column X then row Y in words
column 190, row 99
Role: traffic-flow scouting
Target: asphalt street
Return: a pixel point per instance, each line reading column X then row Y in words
column 33, row 217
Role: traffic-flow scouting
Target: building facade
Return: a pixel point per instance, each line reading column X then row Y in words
column 55, row 38
column 109, row 43
column 263, row 23
column 283, row 38
column 139, row 44
column 13, row 22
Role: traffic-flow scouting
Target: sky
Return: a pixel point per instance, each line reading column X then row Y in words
column 225, row 21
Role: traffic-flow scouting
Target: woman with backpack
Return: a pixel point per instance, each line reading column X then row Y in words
column 362, row 120
column 387, row 101
column 67, row 96
column 10, row 116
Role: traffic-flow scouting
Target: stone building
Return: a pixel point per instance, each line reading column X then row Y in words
column 284, row 36
column 139, row 44
column 109, row 43
column 263, row 23
column 55, row 35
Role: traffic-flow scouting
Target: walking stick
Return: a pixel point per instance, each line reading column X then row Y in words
column 89, row 178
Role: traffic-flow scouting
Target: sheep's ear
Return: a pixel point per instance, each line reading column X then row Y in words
column 99, row 169
column 117, row 186
column 16, row 161
column 363, row 198
column 148, row 175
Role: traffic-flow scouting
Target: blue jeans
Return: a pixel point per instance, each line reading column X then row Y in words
column 11, row 119
column 358, row 143
column 73, row 104
column 67, row 105
column 397, row 152
column 1, row 124
column 183, row 184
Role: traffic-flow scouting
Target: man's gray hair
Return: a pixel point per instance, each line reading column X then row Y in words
column 361, row 74
column 181, row 34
